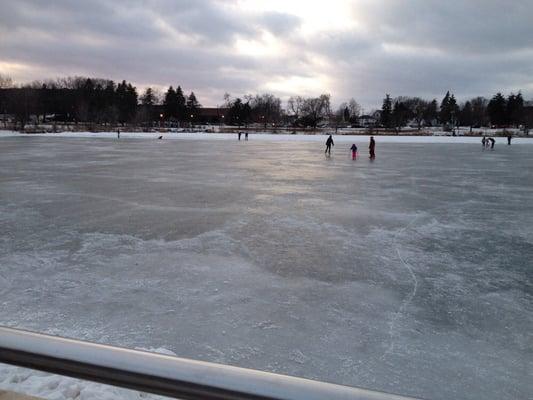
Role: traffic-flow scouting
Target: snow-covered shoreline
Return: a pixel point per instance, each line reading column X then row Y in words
column 267, row 137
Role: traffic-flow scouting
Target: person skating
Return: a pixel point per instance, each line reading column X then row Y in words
column 492, row 142
column 509, row 137
column 354, row 151
column 329, row 143
column 118, row 133
column 246, row 136
column 484, row 142
column 372, row 148
column 239, row 135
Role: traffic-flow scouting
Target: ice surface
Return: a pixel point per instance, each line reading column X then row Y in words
column 440, row 137
column 411, row 274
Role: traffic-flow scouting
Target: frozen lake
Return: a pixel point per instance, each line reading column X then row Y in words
column 411, row 274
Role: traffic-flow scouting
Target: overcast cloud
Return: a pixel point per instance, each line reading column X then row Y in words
column 361, row 48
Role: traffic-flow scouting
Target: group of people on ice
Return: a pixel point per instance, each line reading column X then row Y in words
column 490, row 142
column 353, row 149
column 486, row 142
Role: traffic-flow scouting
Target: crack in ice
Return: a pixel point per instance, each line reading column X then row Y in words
column 410, row 296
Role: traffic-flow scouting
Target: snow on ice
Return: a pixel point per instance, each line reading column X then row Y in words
column 411, row 274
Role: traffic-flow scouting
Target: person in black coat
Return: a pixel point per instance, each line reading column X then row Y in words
column 329, row 143
column 372, row 148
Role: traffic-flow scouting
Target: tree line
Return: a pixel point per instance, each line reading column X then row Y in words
column 499, row 111
column 102, row 101
column 91, row 100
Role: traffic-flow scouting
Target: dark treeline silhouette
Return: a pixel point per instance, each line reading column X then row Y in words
column 94, row 101
column 264, row 108
column 474, row 113
column 72, row 99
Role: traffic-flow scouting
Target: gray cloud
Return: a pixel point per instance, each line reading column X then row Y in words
column 417, row 48
column 278, row 23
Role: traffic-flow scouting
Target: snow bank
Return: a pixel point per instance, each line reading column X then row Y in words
column 267, row 137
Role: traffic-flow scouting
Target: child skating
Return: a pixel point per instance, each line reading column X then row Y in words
column 354, row 151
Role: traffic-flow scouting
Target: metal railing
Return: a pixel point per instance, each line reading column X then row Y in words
column 164, row 375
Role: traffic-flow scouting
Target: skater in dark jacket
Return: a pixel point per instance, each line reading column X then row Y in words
column 509, row 137
column 354, row 151
column 329, row 143
column 372, row 148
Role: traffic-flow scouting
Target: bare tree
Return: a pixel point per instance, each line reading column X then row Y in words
column 480, row 116
column 294, row 106
column 314, row 109
column 416, row 109
column 355, row 109
column 340, row 116
column 5, row 81
column 266, row 108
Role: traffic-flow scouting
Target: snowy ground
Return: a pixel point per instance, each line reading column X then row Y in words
column 411, row 274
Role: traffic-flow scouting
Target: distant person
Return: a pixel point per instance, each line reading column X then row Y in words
column 329, row 143
column 509, row 137
column 354, row 151
column 160, row 137
column 246, row 136
column 239, row 135
column 372, row 148
column 483, row 142
column 492, row 142
column 118, row 133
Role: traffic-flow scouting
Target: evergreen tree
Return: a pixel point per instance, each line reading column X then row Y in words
column 479, row 111
column 431, row 113
column 497, row 110
column 170, row 104
column 120, row 97
column 454, row 111
column 386, row 112
column 131, row 102
column 346, row 114
column 400, row 114
column 148, row 98
column 181, row 102
column 466, row 116
column 109, row 103
column 515, row 109
column 444, row 113
column 246, row 113
column 449, row 110
column 235, row 116
column 192, row 104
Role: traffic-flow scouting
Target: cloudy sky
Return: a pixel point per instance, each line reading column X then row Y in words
column 359, row 48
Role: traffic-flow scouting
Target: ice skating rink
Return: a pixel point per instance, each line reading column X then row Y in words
column 411, row 274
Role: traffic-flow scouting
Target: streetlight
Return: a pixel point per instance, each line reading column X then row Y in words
column 160, row 119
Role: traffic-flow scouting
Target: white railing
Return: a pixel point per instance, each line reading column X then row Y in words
column 164, row 375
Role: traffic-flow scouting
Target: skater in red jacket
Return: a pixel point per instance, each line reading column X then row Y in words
column 354, row 151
